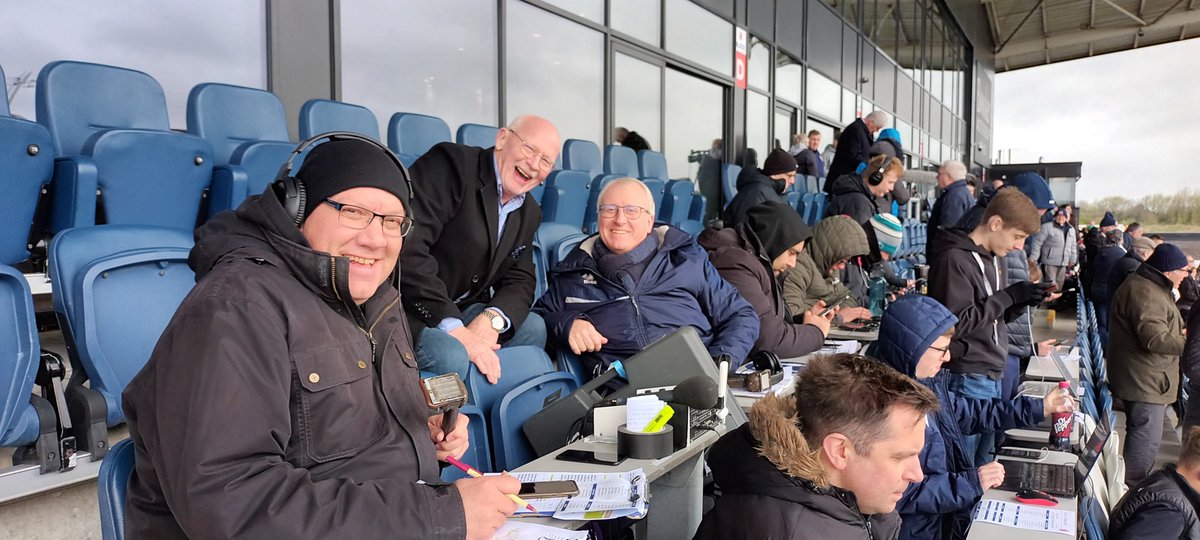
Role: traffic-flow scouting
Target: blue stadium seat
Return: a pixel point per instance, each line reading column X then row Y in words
column 512, row 448
column 247, row 128
column 581, row 155
column 566, row 198
column 692, row 227
column 1091, row 512
column 808, row 208
column 319, row 116
column 590, row 219
column 729, row 174
column 699, row 207
column 119, row 162
column 570, row 363
column 517, row 365
column 793, row 199
column 410, row 135
column 115, row 289
column 549, row 235
column 112, row 482
column 620, row 160
column 820, row 202
column 25, row 418
column 657, row 188
column 677, row 202
column 652, row 164
column 565, row 246
column 538, row 192
column 479, row 452
column 26, row 167
column 477, row 135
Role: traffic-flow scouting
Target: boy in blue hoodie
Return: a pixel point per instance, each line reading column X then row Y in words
column 914, row 339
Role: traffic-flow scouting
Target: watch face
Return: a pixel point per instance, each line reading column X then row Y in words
column 497, row 323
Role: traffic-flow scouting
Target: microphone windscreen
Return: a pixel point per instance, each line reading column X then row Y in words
column 699, row 392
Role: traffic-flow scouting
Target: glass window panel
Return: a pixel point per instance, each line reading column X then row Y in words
column 824, row 34
column 548, row 56
column 783, row 130
column 637, row 97
column 180, row 44
column 592, row 10
column 824, row 96
column 850, row 109
column 395, row 58
column 693, row 121
column 759, row 65
column 789, row 80
column 906, row 136
column 699, row 36
column 638, row 18
column 826, row 131
column 757, row 133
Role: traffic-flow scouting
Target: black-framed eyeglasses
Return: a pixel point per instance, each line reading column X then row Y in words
column 529, row 151
column 609, row 211
column 357, row 217
column 944, row 351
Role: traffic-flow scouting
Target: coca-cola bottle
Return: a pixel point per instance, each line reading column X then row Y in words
column 1060, row 426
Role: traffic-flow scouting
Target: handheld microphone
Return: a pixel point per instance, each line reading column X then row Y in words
column 445, row 393
column 723, row 388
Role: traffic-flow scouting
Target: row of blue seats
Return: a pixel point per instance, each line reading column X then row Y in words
column 102, row 151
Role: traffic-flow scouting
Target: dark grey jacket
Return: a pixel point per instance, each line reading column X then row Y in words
column 1020, row 331
column 1162, row 507
column 275, row 407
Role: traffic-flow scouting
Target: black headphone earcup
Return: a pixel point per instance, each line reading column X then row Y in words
column 290, row 191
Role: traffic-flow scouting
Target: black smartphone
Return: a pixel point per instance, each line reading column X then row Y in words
column 588, row 456
column 548, row 489
column 1019, row 453
column 831, row 305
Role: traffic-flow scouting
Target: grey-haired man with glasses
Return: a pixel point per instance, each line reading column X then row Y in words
column 468, row 277
column 633, row 283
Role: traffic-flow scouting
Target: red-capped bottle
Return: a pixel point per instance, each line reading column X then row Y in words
column 1060, row 427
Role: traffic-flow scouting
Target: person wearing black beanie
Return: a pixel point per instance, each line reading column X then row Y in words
column 337, row 165
column 751, row 256
column 756, row 186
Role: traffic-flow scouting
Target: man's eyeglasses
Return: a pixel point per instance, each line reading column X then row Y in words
column 944, row 351
column 631, row 212
column 357, row 217
column 528, row 151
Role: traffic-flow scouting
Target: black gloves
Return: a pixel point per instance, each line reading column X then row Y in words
column 1028, row 293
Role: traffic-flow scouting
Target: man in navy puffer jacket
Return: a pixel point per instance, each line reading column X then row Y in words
column 914, row 338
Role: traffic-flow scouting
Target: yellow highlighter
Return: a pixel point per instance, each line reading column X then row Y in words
column 660, row 420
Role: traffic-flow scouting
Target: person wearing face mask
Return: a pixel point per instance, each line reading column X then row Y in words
column 469, row 277
column 755, row 186
column 751, row 256
column 914, row 339
column 634, row 282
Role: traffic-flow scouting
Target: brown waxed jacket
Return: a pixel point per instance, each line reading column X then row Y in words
column 1145, row 339
column 272, row 408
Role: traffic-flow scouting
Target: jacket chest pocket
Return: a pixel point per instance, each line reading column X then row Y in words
column 338, row 413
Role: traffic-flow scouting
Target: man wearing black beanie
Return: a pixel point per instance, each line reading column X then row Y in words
column 751, row 256
column 282, row 400
column 756, row 186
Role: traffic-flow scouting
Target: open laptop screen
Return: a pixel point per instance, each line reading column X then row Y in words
column 1093, row 447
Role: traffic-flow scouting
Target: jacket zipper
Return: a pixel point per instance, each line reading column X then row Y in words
column 369, row 332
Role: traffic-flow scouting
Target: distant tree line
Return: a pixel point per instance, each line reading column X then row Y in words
column 1181, row 208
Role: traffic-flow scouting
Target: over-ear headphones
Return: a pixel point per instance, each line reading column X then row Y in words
column 290, row 189
column 876, row 177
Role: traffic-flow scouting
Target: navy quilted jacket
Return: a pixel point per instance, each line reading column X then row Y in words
column 942, row 501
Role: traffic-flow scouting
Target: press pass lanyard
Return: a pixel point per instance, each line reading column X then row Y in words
column 987, row 285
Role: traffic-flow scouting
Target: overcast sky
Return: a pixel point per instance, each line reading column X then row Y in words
column 1129, row 117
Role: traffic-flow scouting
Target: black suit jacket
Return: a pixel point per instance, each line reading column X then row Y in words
column 854, row 147
column 452, row 250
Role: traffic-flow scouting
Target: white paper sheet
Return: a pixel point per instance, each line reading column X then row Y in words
column 516, row 530
column 1026, row 516
column 601, row 495
column 640, row 410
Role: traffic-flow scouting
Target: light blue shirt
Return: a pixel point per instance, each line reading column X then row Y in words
column 504, row 209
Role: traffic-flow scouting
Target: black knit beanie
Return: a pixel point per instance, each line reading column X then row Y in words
column 778, row 162
column 778, row 226
column 335, row 166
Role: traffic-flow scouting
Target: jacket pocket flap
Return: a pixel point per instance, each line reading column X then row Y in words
column 326, row 368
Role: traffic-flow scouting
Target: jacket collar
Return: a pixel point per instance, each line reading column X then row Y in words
column 1158, row 278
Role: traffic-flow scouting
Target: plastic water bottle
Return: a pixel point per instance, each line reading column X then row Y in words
column 878, row 296
column 1060, row 427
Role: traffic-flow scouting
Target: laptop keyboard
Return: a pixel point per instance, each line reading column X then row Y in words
column 1047, row 478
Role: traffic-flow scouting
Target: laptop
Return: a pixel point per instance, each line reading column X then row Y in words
column 1057, row 480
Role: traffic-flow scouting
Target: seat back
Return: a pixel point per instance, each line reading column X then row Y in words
column 581, row 155
column 657, row 188
column 819, row 202
column 27, row 164
column 566, row 197
column 677, row 202
column 729, row 174
column 511, row 447
column 19, row 354
column 155, row 178
column 410, row 135
column 76, row 100
column 652, row 164
column 620, row 160
column 590, row 218
column 477, row 135
column 517, row 365
column 4, row 102
column 229, row 116
column 319, row 116
column 112, row 484
column 549, row 235
column 699, row 207
column 479, row 451
column 116, row 288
